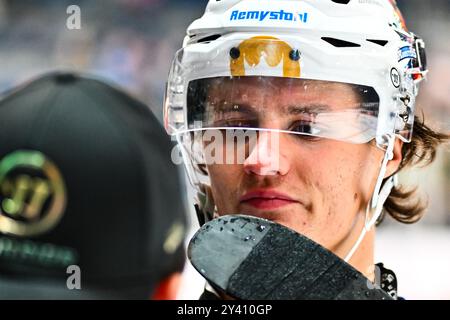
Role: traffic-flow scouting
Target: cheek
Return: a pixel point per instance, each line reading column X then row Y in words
column 352, row 169
column 332, row 172
column 224, row 184
column 339, row 179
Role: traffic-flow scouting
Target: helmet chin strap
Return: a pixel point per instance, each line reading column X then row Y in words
column 379, row 197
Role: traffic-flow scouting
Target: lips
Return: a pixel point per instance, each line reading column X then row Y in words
column 266, row 199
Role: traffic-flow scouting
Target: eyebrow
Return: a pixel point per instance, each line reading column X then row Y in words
column 229, row 107
column 310, row 108
column 292, row 110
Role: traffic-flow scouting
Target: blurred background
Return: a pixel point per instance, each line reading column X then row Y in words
column 131, row 43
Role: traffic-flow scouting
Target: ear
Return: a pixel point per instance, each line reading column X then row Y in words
column 394, row 164
column 167, row 289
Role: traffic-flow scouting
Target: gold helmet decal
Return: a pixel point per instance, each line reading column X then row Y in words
column 32, row 194
column 273, row 50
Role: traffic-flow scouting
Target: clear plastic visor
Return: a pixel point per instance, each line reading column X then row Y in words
column 312, row 108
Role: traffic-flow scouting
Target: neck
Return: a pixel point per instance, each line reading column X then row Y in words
column 363, row 258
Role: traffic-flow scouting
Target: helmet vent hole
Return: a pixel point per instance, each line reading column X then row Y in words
column 379, row 42
column 209, row 38
column 340, row 43
column 341, row 1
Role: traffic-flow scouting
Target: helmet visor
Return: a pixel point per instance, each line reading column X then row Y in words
column 316, row 108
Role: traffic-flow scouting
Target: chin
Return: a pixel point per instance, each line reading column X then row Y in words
column 297, row 221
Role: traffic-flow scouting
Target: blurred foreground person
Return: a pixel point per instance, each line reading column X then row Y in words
column 90, row 206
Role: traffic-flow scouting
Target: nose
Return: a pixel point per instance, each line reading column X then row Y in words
column 265, row 158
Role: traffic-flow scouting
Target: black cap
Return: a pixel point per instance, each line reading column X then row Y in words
column 86, row 179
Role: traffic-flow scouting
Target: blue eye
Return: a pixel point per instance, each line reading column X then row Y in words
column 305, row 130
column 302, row 127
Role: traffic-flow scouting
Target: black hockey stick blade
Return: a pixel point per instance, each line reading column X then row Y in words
column 255, row 259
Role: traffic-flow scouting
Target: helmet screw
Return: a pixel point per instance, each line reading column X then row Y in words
column 294, row 55
column 235, row 53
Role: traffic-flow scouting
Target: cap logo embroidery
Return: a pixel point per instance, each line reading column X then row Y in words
column 32, row 194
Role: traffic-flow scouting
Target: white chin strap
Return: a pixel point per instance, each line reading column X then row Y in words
column 379, row 197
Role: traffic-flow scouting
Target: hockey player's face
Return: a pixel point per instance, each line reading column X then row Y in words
column 315, row 186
